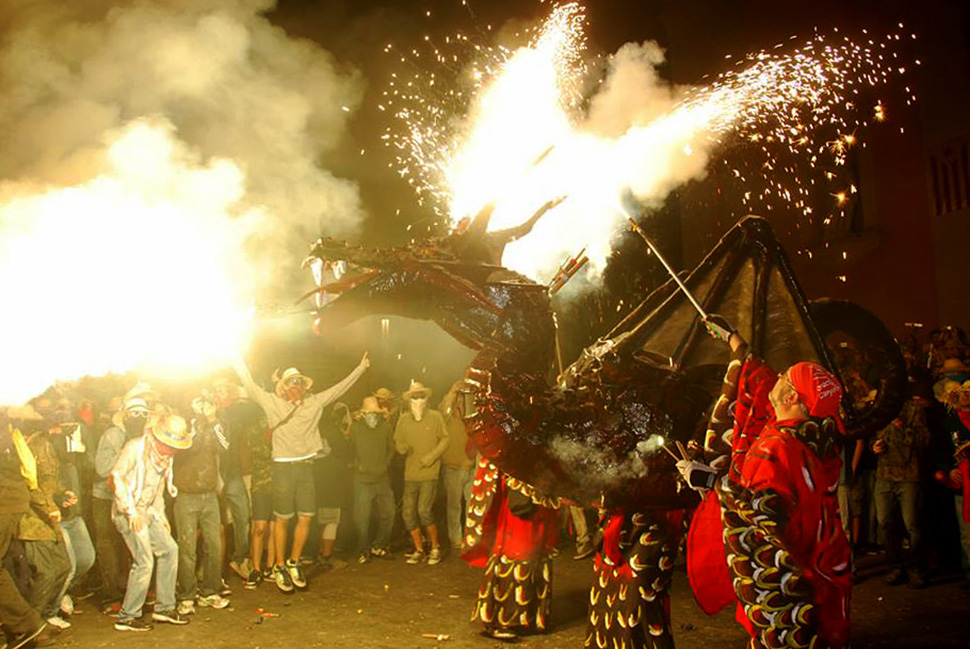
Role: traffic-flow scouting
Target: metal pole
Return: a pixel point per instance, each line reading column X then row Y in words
column 636, row 228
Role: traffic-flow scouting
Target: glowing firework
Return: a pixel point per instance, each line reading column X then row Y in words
column 526, row 134
column 140, row 266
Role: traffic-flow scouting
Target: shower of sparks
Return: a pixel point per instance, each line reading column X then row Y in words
column 479, row 124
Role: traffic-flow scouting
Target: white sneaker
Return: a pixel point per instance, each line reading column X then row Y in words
column 186, row 607
column 215, row 600
column 241, row 568
column 59, row 622
column 415, row 557
column 434, row 557
column 67, row 606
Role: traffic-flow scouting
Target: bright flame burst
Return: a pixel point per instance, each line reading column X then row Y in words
column 514, row 127
column 139, row 267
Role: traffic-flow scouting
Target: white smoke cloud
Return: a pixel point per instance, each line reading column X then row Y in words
column 232, row 84
column 146, row 146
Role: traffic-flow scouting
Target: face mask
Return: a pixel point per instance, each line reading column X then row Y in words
column 418, row 406
column 135, row 426
column 371, row 419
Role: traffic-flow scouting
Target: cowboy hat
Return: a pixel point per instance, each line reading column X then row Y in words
column 371, row 404
column 172, row 430
column 383, row 394
column 292, row 374
column 132, row 405
column 417, row 390
column 953, row 366
column 142, row 389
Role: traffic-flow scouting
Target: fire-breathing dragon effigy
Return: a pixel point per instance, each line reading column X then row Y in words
column 594, row 433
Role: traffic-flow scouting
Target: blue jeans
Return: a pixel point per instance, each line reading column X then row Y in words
column 195, row 513
column 456, row 479
column 907, row 494
column 80, row 550
column 237, row 502
column 380, row 496
column 153, row 540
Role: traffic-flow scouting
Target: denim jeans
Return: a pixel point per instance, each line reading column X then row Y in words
column 907, row 494
column 153, row 540
column 198, row 513
column 237, row 502
column 80, row 550
column 110, row 551
column 418, row 502
column 456, row 478
column 380, row 496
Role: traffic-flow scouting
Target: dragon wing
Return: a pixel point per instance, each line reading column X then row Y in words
column 748, row 279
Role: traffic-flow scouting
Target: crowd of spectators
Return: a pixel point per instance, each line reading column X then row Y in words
column 159, row 498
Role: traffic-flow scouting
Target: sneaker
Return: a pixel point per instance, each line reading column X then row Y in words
column 225, row 591
column 268, row 573
column 417, row 556
column 134, row 624
column 363, row 558
column 22, row 639
column 58, row 622
column 584, row 551
column 241, row 568
column 186, row 607
column 170, row 617
column 282, row 578
column 380, row 553
column 325, row 563
column 897, row 577
column 252, row 581
column 215, row 601
column 917, row 580
column 111, row 609
column 434, row 557
column 67, row 606
column 296, row 573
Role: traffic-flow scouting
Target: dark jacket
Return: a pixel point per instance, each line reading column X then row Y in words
column 197, row 468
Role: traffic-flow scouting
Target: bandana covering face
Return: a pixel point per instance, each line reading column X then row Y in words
column 418, row 406
column 816, row 388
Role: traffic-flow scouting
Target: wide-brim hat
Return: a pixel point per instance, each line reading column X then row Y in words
column 371, row 404
column 383, row 394
column 417, row 389
column 289, row 374
column 953, row 366
column 173, row 431
column 143, row 390
column 132, row 404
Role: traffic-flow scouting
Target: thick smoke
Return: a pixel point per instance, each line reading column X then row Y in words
column 161, row 169
column 233, row 85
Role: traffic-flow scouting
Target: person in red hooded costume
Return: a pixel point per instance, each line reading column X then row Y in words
column 785, row 556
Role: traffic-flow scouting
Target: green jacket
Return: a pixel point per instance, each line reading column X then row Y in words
column 36, row 524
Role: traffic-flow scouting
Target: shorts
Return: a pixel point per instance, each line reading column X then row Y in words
column 294, row 490
column 328, row 515
column 418, row 502
column 262, row 505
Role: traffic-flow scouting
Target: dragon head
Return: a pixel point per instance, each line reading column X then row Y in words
column 424, row 281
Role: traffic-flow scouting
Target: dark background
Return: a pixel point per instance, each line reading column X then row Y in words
column 904, row 259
